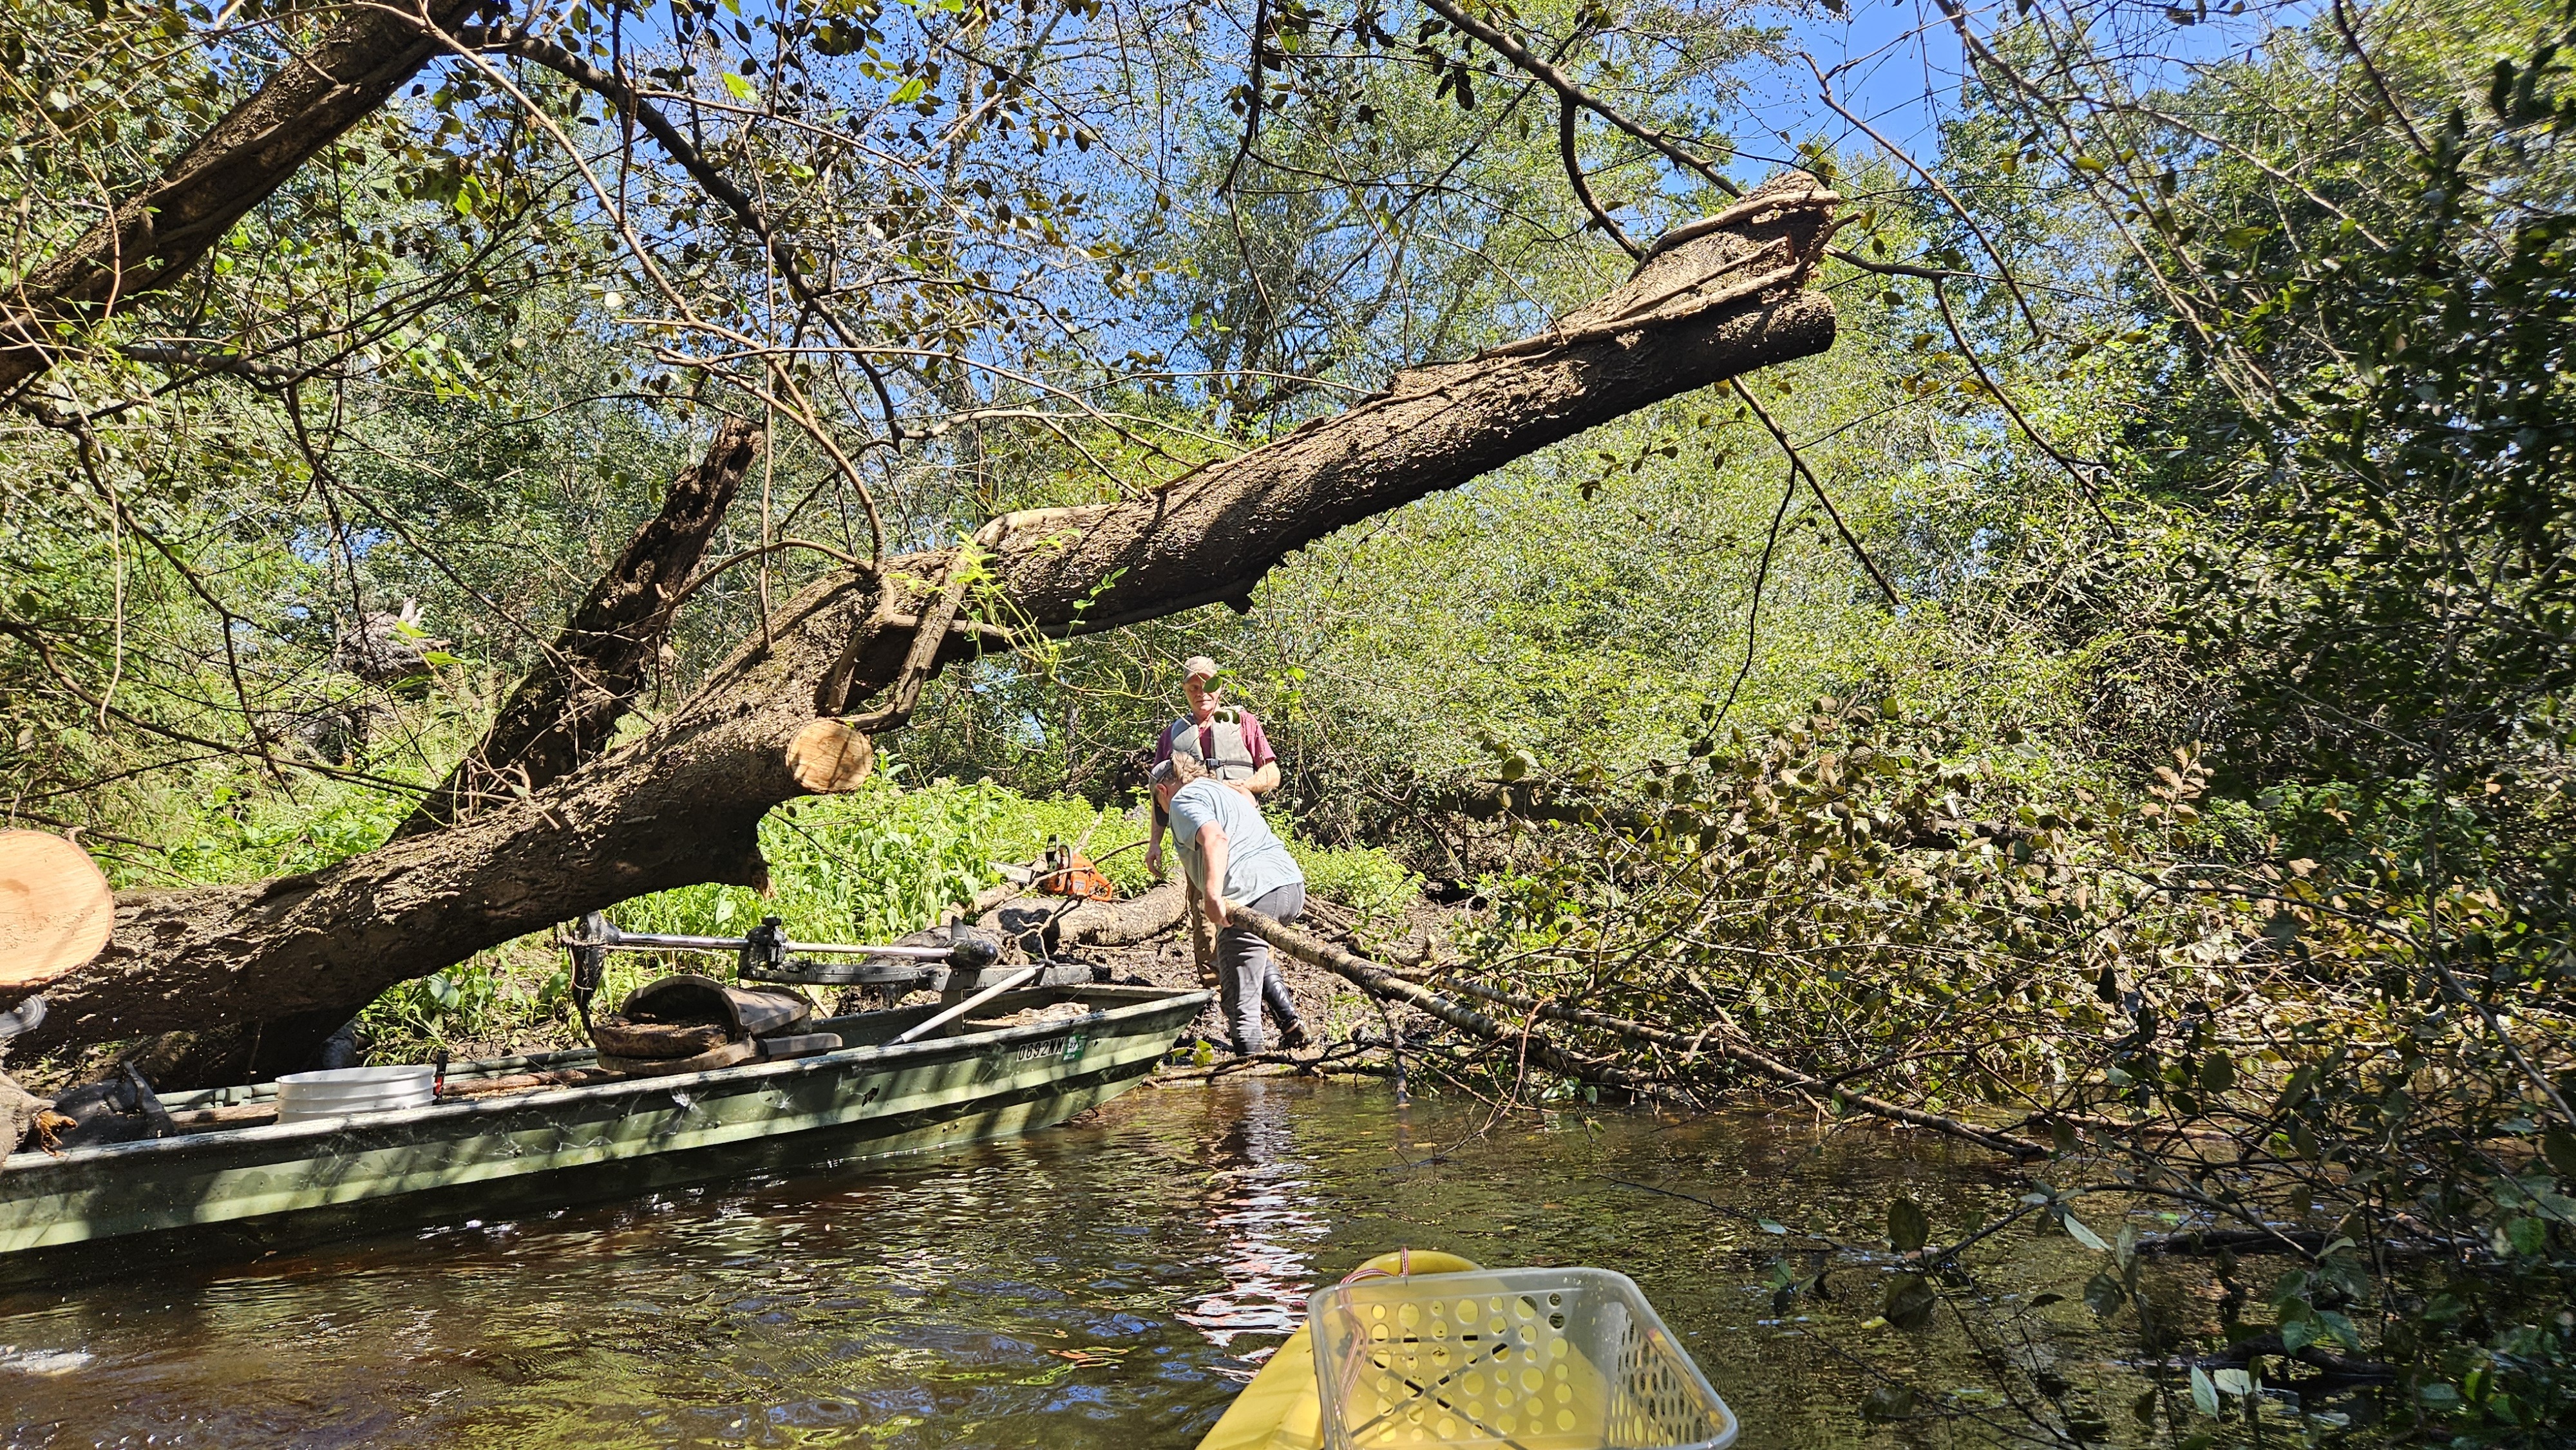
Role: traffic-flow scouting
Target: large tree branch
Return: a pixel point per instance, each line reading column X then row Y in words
column 565, row 710
column 156, row 234
column 681, row 805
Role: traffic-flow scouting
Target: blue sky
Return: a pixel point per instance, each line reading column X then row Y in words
column 1897, row 63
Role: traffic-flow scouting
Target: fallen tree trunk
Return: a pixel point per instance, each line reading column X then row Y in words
column 561, row 714
column 681, row 804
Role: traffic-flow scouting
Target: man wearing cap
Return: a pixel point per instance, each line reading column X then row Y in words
column 1229, row 743
column 1227, row 739
column 1230, row 857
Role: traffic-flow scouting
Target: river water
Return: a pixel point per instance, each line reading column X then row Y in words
column 1110, row 1283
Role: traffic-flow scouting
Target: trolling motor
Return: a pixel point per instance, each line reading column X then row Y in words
column 765, row 954
column 26, row 1017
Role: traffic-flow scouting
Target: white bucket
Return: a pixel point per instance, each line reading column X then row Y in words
column 304, row 1096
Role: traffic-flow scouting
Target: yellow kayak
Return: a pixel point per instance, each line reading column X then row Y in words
column 1426, row 1348
column 1282, row 1409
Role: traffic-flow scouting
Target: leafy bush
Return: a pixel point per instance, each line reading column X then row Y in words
column 885, row 860
column 1367, row 879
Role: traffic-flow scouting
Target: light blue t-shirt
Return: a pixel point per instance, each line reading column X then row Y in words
column 1256, row 863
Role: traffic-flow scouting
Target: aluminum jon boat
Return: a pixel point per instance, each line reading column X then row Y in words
column 489, row 1152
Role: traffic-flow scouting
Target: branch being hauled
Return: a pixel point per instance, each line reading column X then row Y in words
column 1377, row 981
column 1381, row 982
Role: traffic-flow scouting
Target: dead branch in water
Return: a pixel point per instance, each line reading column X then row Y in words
column 1382, row 982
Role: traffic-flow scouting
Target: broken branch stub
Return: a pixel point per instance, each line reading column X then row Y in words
column 828, row 756
column 567, row 709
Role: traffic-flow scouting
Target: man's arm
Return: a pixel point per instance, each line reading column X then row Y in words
column 1212, row 850
column 1261, row 782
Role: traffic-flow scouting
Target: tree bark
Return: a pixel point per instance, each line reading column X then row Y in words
column 157, row 233
column 681, row 804
column 566, row 709
column 1058, row 923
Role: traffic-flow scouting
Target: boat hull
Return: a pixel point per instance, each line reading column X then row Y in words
column 297, row 1182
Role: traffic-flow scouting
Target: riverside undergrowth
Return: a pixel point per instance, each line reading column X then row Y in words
column 2335, row 1085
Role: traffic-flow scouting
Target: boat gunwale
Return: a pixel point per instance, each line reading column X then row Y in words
column 36, row 1162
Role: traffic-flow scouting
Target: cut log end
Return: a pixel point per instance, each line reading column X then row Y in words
column 828, row 756
column 56, row 911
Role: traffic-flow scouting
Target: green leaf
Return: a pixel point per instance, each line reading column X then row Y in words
column 2217, row 1072
column 1910, row 1301
column 2297, row 1334
column 1906, row 1226
column 2104, row 1295
column 909, row 91
column 2528, row 1235
column 2204, row 1395
column 1772, row 1226
column 2295, row 1091
column 2076, row 1230
column 743, row 90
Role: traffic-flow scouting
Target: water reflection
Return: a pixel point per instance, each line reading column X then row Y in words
column 1108, row 1284
column 1260, row 1202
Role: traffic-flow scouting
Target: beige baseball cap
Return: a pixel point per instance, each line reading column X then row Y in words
column 1197, row 665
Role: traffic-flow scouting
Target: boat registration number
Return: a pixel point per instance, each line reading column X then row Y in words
column 1069, row 1049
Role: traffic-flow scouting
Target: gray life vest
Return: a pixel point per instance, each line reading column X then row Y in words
column 1232, row 753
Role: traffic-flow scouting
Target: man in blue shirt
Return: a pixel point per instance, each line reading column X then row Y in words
column 1232, row 858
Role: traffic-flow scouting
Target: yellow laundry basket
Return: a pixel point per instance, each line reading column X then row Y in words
column 1515, row 1359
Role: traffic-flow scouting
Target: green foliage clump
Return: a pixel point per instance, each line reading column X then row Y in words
column 1869, row 877
column 883, row 860
column 1367, row 879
